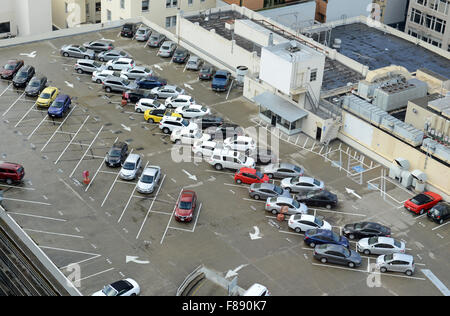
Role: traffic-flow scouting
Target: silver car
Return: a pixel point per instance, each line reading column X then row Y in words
column 77, row 51
column 302, row 184
column 283, row 170
column 99, row 46
column 380, row 246
column 275, row 204
column 136, row 72
column 112, row 83
column 131, row 167
column 88, row 65
column 143, row 33
column 112, row 54
column 167, row 91
column 396, row 262
column 194, row 63
column 149, row 180
column 167, row 49
column 156, row 39
column 264, row 191
column 99, row 76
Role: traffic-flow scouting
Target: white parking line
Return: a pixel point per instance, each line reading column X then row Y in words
column 56, row 131
column 93, row 275
column 16, row 187
column 440, row 226
column 253, row 200
column 38, row 216
column 26, row 201
column 149, row 209
column 6, row 112
column 71, row 141
column 90, row 145
column 51, row 233
column 336, row 212
column 25, row 115
column 168, row 223
column 441, row 287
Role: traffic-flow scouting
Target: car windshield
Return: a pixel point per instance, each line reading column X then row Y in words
column 34, row 83
column 126, row 82
column 147, row 179
column 82, row 49
column 114, row 153
column 22, row 74
column 420, row 199
column 346, row 252
column 9, row 67
column 242, row 157
column 388, row 257
column 96, row 64
column 316, row 182
column 259, row 175
column 295, row 179
column 318, row 221
column 128, row 166
column 179, row 54
column 335, row 237
column 358, row 226
column 147, row 70
column 165, row 47
column 278, row 190
column 185, row 205
column 121, row 53
column 221, row 77
column 141, row 31
column 154, row 38
column 204, row 109
column 373, row 240
column 45, row 95
column 178, row 90
column 295, row 203
column 397, row 244
column 192, row 62
column 109, row 291
column 57, row 104
column 204, row 70
column 297, row 169
column 185, row 122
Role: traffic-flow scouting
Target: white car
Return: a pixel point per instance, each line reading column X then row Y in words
column 192, row 111
column 205, row 148
column 227, row 158
column 99, row 76
column 143, row 33
column 187, row 136
column 149, row 180
column 302, row 184
column 136, row 72
column 303, row 222
column 257, row 290
column 170, row 123
column 275, row 204
column 127, row 287
column 167, row 91
column 240, row 143
column 131, row 167
column 148, row 104
column 380, row 246
column 120, row 64
column 180, row 100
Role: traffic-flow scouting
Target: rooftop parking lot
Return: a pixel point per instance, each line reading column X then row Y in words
column 100, row 224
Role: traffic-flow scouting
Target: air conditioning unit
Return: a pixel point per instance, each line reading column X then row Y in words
column 406, row 179
column 397, row 166
column 419, row 180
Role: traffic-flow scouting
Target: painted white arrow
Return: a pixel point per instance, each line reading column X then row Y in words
column 31, row 55
column 70, row 85
column 211, row 178
column 350, row 191
column 158, row 67
column 193, row 177
column 126, row 128
column 232, row 273
column 256, row 234
column 188, row 86
column 135, row 260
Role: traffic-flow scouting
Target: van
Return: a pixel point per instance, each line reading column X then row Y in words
column 257, row 290
column 11, row 172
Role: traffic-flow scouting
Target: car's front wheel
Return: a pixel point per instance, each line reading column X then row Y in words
column 151, row 121
column 409, row 272
column 312, row 245
column 270, row 175
column 218, row 166
column 9, row 181
column 324, row 260
column 166, row 130
column 351, row 265
column 274, row 212
column 87, row 57
column 102, row 59
column 351, row 236
column 421, row 212
column 108, row 89
column 256, row 197
column 98, row 81
column 80, row 71
column 138, row 110
column 383, row 270
column 328, row 206
column 441, row 221
column 66, row 55
column 367, row 252
column 110, row 68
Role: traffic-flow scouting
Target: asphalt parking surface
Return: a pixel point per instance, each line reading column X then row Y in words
column 99, row 225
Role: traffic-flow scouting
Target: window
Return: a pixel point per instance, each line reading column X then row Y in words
column 190, row 2
column 171, row 3
column 98, row 7
column 108, row 15
column 416, row 16
column 313, row 76
column 422, row 2
column 171, row 21
column 145, row 5
column 87, row 8
column 66, row 7
column 5, row 27
column 122, row 4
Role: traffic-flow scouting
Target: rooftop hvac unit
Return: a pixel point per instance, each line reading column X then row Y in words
column 419, row 180
column 406, row 179
column 397, row 166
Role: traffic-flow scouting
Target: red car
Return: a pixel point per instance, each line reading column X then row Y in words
column 11, row 172
column 11, row 68
column 249, row 176
column 184, row 210
column 422, row 202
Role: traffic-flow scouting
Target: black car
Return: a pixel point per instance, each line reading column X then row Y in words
column 318, row 198
column 206, row 72
column 116, row 155
column 365, row 230
column 128, row 30
column 262, row 156
column 36, row 85
column 208, row 121
column 135, row 95
column 224, row 131
column 23, row 76
column 180, row 56
column 440, row 212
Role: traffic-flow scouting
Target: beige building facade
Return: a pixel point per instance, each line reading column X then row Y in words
column 70, row 13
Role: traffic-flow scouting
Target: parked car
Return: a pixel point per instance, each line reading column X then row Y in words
column 77, row 51
column 263, row 191
column 240, row 143
column 179, row 101
column 60, row 106
column 283, row 170
column 120, row 64
column 143, row 33
column 227, row 158
column 319, row 236
column 205, row 148
column 262, row 155
column 127, row 287
column 380, row 246
column 180, row 56
column 257, row 290
column 99, row 46
column 365, row 229
column 167, row 91
column 156, row 39
column 116, row 155
column 275, row 204
column 36, row 85
column 155, row 116
column 185, row 207
column 136, row 72
column 47, row 97
column 194, row 63
column 396, row 262
column 149, row 180
column 99, row 76
column 303, row 222
column 170, row 123
column 192, row 111
column 135, row 95
column 89, row 66
column 337, row 254
column 422, row 202
column 302, row 184
column 111, row 55
column 11, row 68
column 131, row 167
column 167, row 49
column 128, row 30
column 221, row 80
column 440, row 212
column 208, row 121
column 224, row 131
column 148, row 104
column 11, row 172
column 115, row 84
column 322, row 198
column 186, row 136
column 249, row 176
column 150, row 82
column 23, row 76
column 206, row 72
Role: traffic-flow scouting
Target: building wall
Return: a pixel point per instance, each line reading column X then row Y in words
column 332, row 10
column 76, row 12
column 251, row 4
column 417, row 116
column 392, row 11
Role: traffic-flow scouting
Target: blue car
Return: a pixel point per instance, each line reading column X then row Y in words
column 150, row 82
column 60, row 106
column 315, row 237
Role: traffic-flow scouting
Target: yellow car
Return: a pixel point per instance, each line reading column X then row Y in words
column 156, row 115
column 47, row 97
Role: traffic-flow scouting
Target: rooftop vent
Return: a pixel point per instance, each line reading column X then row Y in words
column 293, row 47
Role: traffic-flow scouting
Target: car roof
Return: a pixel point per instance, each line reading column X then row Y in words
column 186, row 194
column 245, row 169
column 118, row 145
column 386, row 240
column 284, row 199
column 403, row 257
column 306, row 179
column 133, row 157
column 61, row 97
column 267, row 185
column 9, row 165
column 193, row 58
column 26, row 68
column 286, row 165
column 308, row 217
column 172, row 118
column 255, row 290
column 150, row 170
column 333, row 247
column 127, row 59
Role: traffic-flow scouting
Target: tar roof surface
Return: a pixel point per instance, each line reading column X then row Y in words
column 376, row 49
